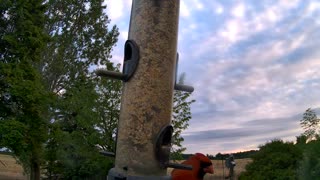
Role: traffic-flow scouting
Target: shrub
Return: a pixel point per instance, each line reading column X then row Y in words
column 275, row 160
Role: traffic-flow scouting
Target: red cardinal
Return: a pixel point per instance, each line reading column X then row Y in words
column 201, row 165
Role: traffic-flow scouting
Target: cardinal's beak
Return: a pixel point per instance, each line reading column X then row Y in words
column 209, row 169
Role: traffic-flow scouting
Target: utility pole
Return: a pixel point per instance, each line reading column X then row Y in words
column 149, row 75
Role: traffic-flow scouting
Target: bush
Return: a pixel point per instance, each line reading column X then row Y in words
column 275, row 160
column 310, row 164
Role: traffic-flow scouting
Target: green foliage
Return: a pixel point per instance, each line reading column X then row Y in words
column 275, row 160
column 12, row 136
column 220, row 156
column 309, row 142
column 54, row 112
column 301, row 140
column 78, row 134
column 35, row 71
column 310, row 123
column 108, row 109
column 76, row 158
column 237, row 155
column 278, row 160
column 23, row 99
column 81, row 40
column 181, row 114
column 310, row 165
column 22, row 35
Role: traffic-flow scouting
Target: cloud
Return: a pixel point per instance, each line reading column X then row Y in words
column 266, row 88
column 196, row 3
column 124, row 35
column 239, row 10
column 254, row 64
column 249, row 135
column 219, row 10
column 119, row 14
column 115, row 9
column 312, row 7
column 244, row 22
column 261, row 69
column 184, row 10
column 216, row 7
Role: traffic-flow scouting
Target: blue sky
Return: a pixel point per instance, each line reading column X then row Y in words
column 254, row 65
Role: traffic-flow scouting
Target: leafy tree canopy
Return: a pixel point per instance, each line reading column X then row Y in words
column 310, row 123
column 23, row 99
column 275, row 160
column 181, row 114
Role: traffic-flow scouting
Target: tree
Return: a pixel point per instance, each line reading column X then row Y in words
column 309, row 142
column 220, row 156
column 73, row 137
column 108, row 109
column 301, row 140
column 24, row 100
column 81, row 41
column 310, row 123
column 181, row 114
column 275, row 160
column 84, row 128
column 309, row 166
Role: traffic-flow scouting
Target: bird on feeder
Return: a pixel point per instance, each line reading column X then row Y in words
column 201, row 165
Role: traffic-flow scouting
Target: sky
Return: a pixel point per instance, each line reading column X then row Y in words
column 255, row 67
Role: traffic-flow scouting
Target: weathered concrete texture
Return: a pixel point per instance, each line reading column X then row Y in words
column 147, row 97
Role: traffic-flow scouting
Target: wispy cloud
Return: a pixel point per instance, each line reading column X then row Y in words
column 248, row 135
column 254, row 65
column 257, row 63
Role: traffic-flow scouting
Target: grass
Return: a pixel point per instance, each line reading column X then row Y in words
column 10, row 170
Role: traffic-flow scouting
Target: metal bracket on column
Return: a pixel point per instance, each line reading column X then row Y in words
column 179, row 166
column 131, row 59
column 163, row 147
column 108, row 154
column 181, row 87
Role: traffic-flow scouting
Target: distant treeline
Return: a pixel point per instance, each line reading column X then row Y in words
column 219, row 156
column 237, row 155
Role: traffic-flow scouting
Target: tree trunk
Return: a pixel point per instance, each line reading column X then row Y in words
column 35, row 171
